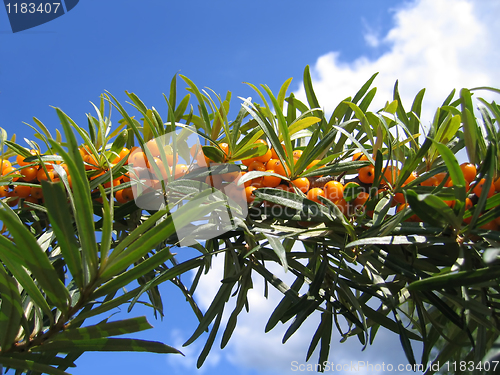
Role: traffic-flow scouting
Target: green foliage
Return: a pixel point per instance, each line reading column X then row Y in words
column 434, row 281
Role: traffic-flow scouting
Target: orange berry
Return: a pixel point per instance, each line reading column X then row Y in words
column 231, row 176
column 410, row 178
column 249, row 193
column 492, row 225
column 264, row 158
column 361, row 199
column 153, row 145
column 225, row 148
column 122, row 154
column 247, row 162
column 8, row 170
column 257, row 166
column 22, row 191
column 367, row 174
column 214, row 180
column 4, row 191
column 359, row 156
column 431, row 181
column 29, row 173
column 297, row 154
column 36, row 192
column 334, row 191
column 469, row 171
column 399, row 197
column 41, row 175
column 180, row 170
column 271, row 181
column 20, row 161
column 302, row 184
column 313, row 163
column 497, row 184
column 342, row 205
column 314, row 193
column 391, row 175
column 119, row 196
column 478, row 188
column 440, row 177
column 139, row 159
column 89, row 159
column 5, row 164
column 127, row 194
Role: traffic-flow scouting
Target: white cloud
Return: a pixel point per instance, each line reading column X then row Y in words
column 439, row 45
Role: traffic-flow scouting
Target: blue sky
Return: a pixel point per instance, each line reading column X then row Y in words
column 139, row 46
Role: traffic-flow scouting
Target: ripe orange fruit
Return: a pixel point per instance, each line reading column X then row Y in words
column 180, row 170
column 153, row 145
column 478, row 188
column 342, row 205
column 29, row 173
column 36, row 192
column 4, row 191
column 249, row 193
column 214, row 180
column 361, row 199
column 492, row 225
column 127, row 194
column 497, row 184
column 20, row 161
column 22, row 191
column 225, row 148
column 391, row 175
column 410, row 178
column 264, row 158
column 302, row 184
column 5, row 164
column 314, row 193
column 271, row 181
column 41, row 175
column 119, row 196
column 359, row 156
column 297, row 154
column 431, row 181
column 248, row 161
column 469, row 171
column 257, row 166
column 334, row 191
column 313, row 163
column 139, row 159
column 399, row 197
column 122, row 154
column 367, row 174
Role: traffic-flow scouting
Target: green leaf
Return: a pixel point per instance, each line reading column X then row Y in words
column 36, row 259
column 11, row 310
column 23, row 365
column 62, row 224
column 81, row 193
column 105, row 345
column 457, row 279
column 278, row 248
column 104, row 329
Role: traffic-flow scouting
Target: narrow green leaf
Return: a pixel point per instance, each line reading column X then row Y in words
column 36, row 259
column 105, row 345
column 83, row 202
column 24, row 365
column 278, row 248
column 104, row 329
column 11, row 310
column 62, row 224
column 457, row 279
